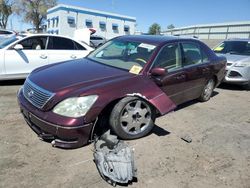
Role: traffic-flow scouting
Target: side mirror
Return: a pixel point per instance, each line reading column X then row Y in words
column 158, row 71
column 18, row 47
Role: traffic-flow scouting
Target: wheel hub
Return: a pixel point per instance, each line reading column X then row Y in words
column 135, row 117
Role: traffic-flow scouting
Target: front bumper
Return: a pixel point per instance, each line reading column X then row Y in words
column 61, row 136
column 237, row 75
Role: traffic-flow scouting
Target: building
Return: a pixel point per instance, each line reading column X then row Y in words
column 65, row 19
column 218, row 31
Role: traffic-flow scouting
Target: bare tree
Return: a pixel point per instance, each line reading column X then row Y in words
column 34, row 11
column 5, row 12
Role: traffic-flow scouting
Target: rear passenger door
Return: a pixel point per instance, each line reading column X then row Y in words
column 196, row 69
column 63, row 49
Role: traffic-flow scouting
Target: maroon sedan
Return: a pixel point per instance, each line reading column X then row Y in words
column 127, row 81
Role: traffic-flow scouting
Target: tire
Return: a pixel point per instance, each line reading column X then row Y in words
column 132, row 118
column 247, row 86
column 207, row 91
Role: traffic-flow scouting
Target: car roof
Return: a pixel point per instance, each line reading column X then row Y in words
column 239, row 39
column 45, row 34
column 51, row 35
column 153, row 39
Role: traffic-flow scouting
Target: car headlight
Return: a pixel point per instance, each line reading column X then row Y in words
column 75, row 107
column 242, row 64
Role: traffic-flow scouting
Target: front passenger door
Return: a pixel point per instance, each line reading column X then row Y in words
column 22, row 61
column 173, row 83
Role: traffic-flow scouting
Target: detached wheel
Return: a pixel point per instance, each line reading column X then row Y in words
column 132, row 118
column 207, row 91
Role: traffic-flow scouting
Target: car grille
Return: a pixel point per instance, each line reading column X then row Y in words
column 35, row 94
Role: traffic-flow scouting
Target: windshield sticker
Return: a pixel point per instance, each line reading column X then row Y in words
column 135, row 69
column 219, row 48
column 147, row 46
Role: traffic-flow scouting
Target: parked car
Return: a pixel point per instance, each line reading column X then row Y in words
column 237, row 52
column 128, row 81
column 96, row 41
column 7, row 33
column 19, row 56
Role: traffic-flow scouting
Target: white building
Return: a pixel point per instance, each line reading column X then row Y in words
column 214, row 31
column 65, row 19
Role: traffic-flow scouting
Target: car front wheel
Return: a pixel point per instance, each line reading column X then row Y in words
column 207, row 91
column 132, row 118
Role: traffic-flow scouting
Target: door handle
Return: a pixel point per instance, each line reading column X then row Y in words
column 73, row 56
column 43, row 56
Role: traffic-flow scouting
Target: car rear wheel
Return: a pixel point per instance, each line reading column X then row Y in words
column 132, row 118
column 207, row 91
column 247, row 86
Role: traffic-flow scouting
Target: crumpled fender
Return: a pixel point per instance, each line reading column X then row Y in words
column 139, row 86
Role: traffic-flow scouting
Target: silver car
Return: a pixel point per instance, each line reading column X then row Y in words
column 237, row 52
column 96, row 41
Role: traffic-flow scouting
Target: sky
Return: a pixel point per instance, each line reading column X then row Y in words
column 180, row 13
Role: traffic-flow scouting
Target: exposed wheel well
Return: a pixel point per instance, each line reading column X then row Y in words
column 215, row 80
column 102, row 124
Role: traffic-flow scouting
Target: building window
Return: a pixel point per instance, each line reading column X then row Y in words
column 53, row 22
column 89, row 23
column 48, row 23
column 102, row 25
column 115, row 27
column 71, row 20
column 57, row 21
column 126, row 28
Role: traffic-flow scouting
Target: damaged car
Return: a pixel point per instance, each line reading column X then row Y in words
column 125, row 84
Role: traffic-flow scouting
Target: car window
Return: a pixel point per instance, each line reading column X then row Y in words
column 7, row 41
column 233, row 47
column 95, row 38
column 59, row 43
column 128, row 55
column 169, row 57
column 5, row 32
column 204, row 56
column 192, row 54
column 34, row 43
column 78, row 46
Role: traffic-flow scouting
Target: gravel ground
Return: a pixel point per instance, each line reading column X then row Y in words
column 218, row 156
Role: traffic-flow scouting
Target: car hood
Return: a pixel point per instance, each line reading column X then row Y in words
column 232, row 58
column 66, row 76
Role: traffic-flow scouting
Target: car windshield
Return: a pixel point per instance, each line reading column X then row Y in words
column 127, row 55
column 5, row 42
column 234, row 47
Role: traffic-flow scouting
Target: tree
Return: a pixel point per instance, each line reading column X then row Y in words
column 34, row 11
column 171, row 26
column 154, row 29
column 5, row 12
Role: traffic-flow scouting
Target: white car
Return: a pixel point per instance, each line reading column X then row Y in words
column 19, row 56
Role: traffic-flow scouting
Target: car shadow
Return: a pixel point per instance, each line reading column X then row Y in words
column 231, row 87
column 159, row 131
column 11, row 82
column 189, row 103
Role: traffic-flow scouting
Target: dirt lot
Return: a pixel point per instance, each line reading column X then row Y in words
column 218, row 156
